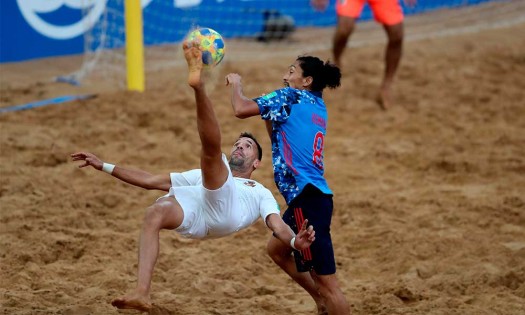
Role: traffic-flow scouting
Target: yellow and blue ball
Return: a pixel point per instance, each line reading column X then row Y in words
column 212, row 45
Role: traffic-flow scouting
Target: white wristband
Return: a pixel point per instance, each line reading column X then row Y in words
column 292, row 242
column 108, row 168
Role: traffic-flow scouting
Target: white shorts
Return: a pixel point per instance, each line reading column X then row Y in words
column 209, row 213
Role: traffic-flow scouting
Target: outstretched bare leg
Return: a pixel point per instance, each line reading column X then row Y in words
column 164, row 214
column 214, row 171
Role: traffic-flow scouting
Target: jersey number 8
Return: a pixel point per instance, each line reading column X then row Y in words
column 318, row 146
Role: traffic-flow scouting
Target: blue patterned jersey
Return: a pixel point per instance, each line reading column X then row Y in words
column 298, row 129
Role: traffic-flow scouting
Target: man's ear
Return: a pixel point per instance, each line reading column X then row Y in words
column 256, row 164
column 307, row 82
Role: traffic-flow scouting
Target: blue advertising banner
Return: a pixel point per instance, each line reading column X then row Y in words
column 41, row 28
column 31, row 29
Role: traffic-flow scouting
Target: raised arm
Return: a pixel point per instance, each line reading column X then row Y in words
column 283, row 232
column 243, row 107
column 134, row 177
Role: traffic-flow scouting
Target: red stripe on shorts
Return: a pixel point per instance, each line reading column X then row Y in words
column 299, row 219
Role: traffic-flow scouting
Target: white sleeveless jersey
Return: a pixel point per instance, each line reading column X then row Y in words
column 216, row 213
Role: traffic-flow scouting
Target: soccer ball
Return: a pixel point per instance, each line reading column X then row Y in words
column 211, row 43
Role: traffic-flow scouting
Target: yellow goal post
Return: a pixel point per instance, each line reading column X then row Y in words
column 134, row 46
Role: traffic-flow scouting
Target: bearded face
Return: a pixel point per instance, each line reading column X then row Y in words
column 236, row 161
column 243, row 155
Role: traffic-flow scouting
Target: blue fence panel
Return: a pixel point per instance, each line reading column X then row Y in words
column 36, row 29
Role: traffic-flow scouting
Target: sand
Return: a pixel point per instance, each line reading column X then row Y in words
column 429, row 196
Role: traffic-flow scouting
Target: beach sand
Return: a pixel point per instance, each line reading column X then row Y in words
column 429, row 196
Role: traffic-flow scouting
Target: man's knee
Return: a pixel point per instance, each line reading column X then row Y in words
column 154, row 213
column 328, row 286
column 345, row 25
column 395, row 34
column 162, row 213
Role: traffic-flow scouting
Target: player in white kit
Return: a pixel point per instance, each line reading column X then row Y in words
column 214, row 201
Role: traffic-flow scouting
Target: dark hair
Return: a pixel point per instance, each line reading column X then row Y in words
column 323, row 73
column 249, row 135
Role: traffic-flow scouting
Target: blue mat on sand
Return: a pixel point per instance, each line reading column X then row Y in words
column 52, row 101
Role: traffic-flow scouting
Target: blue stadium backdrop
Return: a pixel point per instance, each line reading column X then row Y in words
column 32, row 29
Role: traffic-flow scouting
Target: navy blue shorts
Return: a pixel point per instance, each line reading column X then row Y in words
column 317, row 207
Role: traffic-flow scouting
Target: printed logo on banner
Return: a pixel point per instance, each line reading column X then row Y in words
column 32, row 8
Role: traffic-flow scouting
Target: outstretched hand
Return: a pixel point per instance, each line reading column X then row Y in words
column 89, row 160
column 305, row 237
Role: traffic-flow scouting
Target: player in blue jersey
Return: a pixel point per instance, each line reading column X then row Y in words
column 296, row 119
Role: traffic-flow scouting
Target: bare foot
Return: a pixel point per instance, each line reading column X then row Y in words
column 193, row 56
column 133, row 301
column 383, row 99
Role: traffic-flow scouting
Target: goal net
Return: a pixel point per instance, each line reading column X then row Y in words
column 258, row 29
